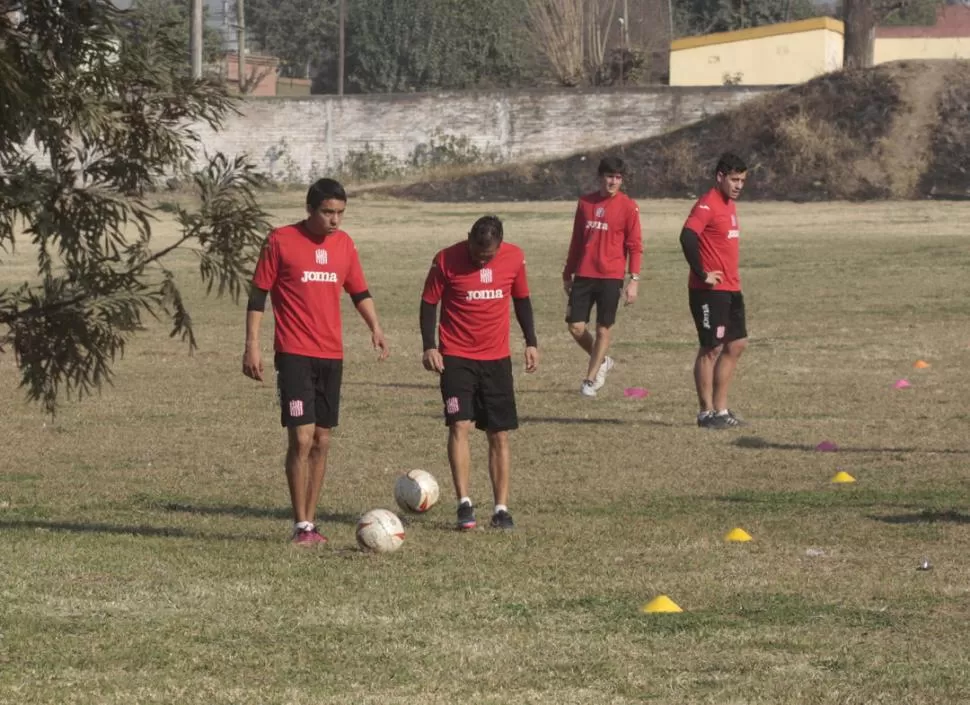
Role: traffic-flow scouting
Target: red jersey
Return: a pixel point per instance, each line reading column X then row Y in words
column 715, row 220
column 475, row 300
column 606, row 231
column 305, row 274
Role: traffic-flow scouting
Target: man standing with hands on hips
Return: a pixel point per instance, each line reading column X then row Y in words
column 711, row 240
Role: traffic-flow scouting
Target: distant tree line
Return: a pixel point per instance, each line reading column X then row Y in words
column 400, row 46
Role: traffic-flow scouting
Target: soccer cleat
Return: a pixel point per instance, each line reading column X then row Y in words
column 706, row 420
column 730, row 420
column 608, row 364
column 587, row 389
column 316, row 536
column 466, row 517
column 308, row 537
column 502, row 520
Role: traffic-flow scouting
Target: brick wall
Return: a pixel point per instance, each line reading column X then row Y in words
column 298, row 139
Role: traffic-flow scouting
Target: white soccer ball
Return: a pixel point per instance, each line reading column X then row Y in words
column 416, row 491
column 380, row 530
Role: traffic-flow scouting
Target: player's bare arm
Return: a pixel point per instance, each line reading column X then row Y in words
column 368, row 311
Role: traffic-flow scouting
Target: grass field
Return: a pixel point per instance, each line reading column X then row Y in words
column 143, row 533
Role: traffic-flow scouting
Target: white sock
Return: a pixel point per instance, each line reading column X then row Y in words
column 465, row 500
column 722, row 412
column 304, row 526
column 702, row 414
column 500, row 508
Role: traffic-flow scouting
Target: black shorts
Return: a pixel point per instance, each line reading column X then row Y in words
column 479, row 391
column 308, row 389
column 718, row 316
column 586, row 291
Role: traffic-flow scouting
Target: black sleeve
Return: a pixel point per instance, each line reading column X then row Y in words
column 257, row 299
column 692, row 251
column 429, row 319
column 357, row 298
column 523, row 314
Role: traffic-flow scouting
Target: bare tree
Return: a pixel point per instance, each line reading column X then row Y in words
column 558, row 28
column 599, row 22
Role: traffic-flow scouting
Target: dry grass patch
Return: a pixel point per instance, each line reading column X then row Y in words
column 144, row 531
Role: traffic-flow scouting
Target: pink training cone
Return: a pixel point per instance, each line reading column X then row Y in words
column 902, row 384
column 827, row 447
column 635, row 392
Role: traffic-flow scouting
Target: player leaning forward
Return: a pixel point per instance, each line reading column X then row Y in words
column 710, row 240
column 305, row 267
column 474, row 280
column 606, row 233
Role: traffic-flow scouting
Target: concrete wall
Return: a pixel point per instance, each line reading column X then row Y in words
column 786, row 53
column 299, row 139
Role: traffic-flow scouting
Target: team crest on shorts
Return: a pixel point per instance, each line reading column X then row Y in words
column 296, row 408
column 719, row 333
column 321, row 256
column 451, row 405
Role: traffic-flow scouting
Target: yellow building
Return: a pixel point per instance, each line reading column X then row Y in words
column 949, row 38
column 794, row 52
column 772, row 55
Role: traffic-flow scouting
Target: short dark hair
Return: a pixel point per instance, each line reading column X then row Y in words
column 324, row 190
column 611, row 165
column 486, row 231
column 730, row 164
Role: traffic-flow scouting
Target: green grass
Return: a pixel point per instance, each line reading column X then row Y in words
column 143, row 532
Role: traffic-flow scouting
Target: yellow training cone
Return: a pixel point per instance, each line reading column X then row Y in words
column 921, row 364
column 842, row 477
column 661, row 603
column 738, row 534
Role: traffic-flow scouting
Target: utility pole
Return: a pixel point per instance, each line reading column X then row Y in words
column 241, row 45
column 195, row 39
column 340, row 60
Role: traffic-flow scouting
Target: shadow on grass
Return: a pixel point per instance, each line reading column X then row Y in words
column 571, row 421
column 431, row 384
column 927, row 516
column 758, row 443
column 240, row 510
column 120, row 530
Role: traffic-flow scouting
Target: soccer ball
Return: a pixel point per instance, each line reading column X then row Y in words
column 380, row 530
column 416, row 491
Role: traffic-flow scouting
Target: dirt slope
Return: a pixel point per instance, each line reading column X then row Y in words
column 896, row 131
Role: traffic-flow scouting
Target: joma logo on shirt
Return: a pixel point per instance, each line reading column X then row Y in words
column 329, row 277
column 484, row 294
column 596, row 225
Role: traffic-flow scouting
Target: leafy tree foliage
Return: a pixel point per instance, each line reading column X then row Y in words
column 420, row 45
column 170, row 17
column 705, row 16
column 92, row 114
column 301, row 33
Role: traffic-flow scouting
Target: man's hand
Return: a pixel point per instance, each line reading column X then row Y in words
column 713, row 278
column 632, row 289
column 253, row 363
column 433, row 362
column 531, row 359
column 377, row 338
column 567, row 285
